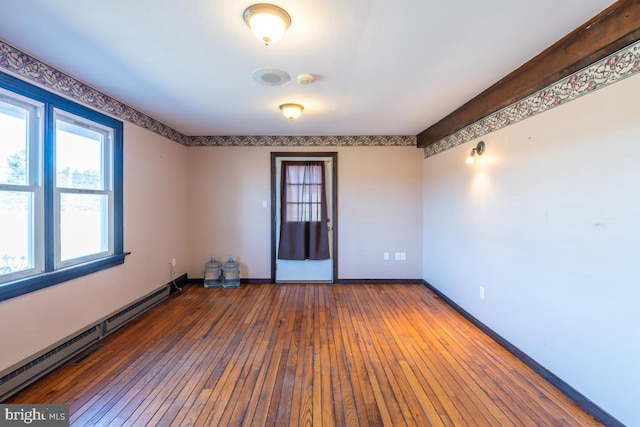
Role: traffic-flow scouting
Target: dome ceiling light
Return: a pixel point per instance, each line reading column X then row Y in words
column 267, row 22
column 291, row 111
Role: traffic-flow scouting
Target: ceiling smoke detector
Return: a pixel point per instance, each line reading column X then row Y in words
column 271, row 76
column 306, row 79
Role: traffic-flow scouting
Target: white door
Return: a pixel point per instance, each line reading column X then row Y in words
column 307, row 270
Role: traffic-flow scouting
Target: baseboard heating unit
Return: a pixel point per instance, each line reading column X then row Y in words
column 37, row 368
column 16, row 378
column 135, row 309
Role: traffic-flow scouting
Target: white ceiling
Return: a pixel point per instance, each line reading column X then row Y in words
column 383, row 67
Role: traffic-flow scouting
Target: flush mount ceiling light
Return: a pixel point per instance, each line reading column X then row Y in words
column 475, row 152
column 267, row 22
column 291, row 111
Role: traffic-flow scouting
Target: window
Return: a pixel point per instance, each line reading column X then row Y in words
column 60, row 189
column 20, row 187
column 84, row 199
column 304, row 231
column 303, row 188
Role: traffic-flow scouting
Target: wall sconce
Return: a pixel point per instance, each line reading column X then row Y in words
column 267, row 22
column 475, row 152
column 291, row 111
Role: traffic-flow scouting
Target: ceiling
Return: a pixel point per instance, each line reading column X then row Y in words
column 382, row 67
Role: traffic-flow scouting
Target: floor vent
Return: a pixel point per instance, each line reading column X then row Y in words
column 117, row 320
column 35, row 369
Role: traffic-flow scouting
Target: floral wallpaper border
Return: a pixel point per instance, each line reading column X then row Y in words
column 304, row 141
column 29, row 68
column 17, row 62
column 609, row 70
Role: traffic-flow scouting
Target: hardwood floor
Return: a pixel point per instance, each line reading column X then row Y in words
column 296, row 355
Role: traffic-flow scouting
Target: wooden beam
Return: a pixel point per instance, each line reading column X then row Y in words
column 611, row 30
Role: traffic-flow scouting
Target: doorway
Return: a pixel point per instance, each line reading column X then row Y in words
column 307, row 270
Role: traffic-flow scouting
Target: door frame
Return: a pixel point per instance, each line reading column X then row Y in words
column 333, row 215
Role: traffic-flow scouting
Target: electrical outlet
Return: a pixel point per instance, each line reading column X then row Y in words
column 401, row 256
column 482, row 292
column 386, row 256
column 173, row 262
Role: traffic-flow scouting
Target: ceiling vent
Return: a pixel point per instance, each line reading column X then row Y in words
column 271, row 76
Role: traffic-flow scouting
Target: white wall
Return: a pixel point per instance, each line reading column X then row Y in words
column 155, row 218
column 379, row 209
column 549, row 225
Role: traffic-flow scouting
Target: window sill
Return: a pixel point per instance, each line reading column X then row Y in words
column 33, row 283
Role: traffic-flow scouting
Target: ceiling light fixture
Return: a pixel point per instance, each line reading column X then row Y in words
column 475, row 152
column 291, row 111
column 267, row 22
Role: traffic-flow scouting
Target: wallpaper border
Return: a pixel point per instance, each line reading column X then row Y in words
column 615, row 67
column 23, row 65
column 305, row 141
column 609, row 70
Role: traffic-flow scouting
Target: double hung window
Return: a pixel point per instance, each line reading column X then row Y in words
column 21, row 195
column 60, row 189
column 83, row 191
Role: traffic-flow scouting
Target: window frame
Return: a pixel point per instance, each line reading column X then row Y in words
column 54, row 272
column 33, row 180
column 105, row 190
column 307, row 203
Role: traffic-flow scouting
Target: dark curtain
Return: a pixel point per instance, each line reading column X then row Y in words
column 304, row 232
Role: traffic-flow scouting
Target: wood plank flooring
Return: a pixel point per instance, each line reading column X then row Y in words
column 303, row 355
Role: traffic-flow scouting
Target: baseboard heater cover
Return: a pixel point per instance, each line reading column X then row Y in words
column 39, row 366
column 134, row 310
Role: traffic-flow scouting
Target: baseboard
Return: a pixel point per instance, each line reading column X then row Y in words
column 581, row 400
column 200, row 281
column 380, row 281
column 178, row 283
column 255, row 281
column 248, row 281
column 29, row 370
